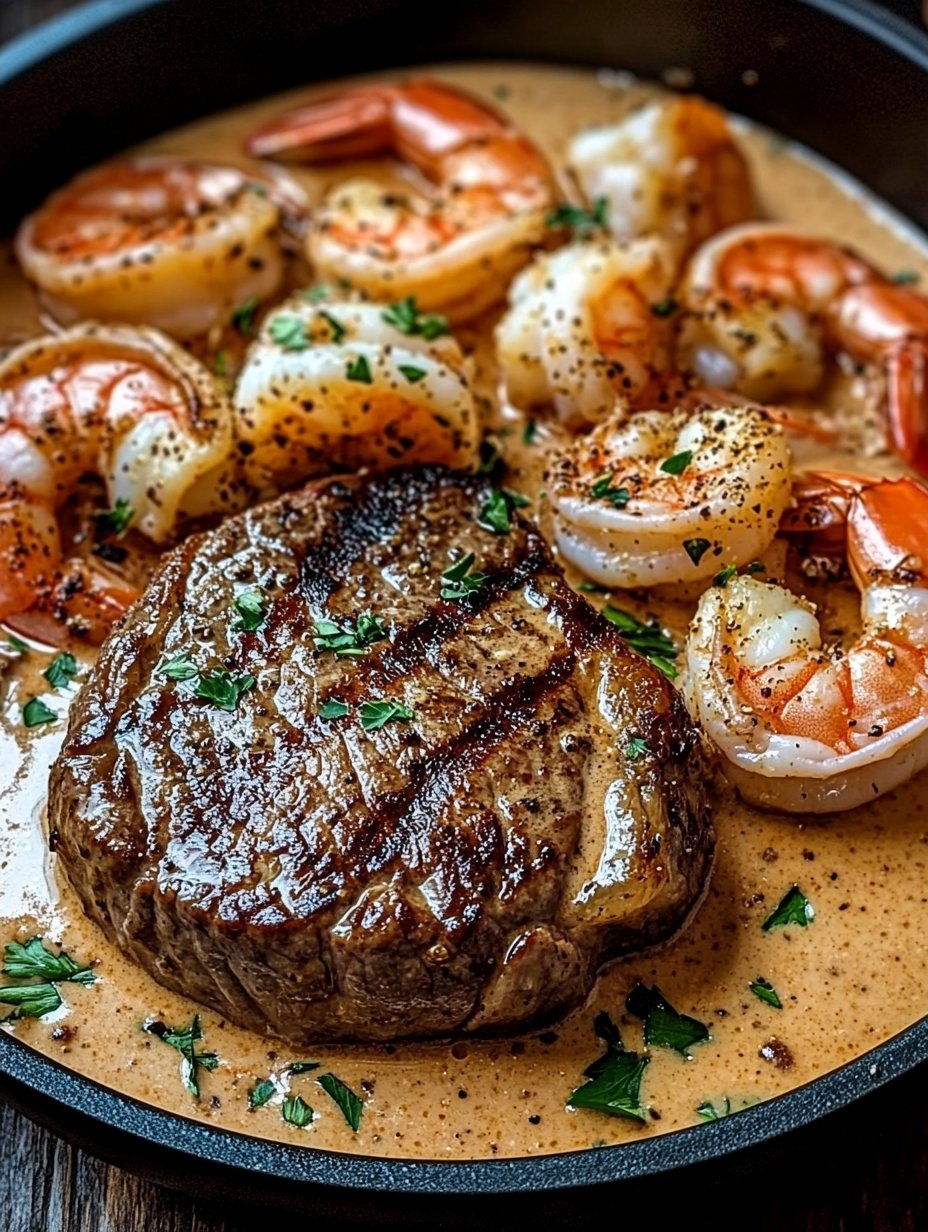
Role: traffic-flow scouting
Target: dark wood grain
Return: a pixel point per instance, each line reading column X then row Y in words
column 868, row 1171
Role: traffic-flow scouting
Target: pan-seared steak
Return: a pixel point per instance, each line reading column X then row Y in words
column 316, row 863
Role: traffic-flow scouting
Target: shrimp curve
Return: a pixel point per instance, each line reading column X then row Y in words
column 454, row 245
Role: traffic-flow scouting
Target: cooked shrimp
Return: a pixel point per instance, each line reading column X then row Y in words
column 673, row 497
column 341, row 385
column 669, row 169
column 584, row 327
column 455, row 247
column 156, row 241
column 808, row 728
column 126, row 404
column 764, row 301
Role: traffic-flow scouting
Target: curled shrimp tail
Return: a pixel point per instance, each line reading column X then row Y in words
column 907, row 399
column 349, row 125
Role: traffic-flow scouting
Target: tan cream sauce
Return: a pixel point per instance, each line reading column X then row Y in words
column 857, row 975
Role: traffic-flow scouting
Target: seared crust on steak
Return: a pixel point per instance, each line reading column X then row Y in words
column 469, row 869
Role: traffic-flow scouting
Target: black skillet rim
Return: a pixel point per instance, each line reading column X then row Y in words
column 24, row 1072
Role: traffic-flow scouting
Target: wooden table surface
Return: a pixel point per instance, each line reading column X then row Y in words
column 869, row 1171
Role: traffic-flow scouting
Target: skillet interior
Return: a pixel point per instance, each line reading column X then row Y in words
column 856, row 91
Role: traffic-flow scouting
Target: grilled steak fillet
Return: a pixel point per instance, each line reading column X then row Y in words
column 466, row 870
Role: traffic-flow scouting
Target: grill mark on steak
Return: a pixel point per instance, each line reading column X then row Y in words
column 324, row 882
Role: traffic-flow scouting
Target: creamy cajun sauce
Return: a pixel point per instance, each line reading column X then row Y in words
column 854, row 977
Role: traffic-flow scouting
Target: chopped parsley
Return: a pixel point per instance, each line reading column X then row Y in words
column 637, row 747
column 678, row 463
column 459, row 581
column 496, row 512
column 333, row 709
column 251, row 606
column 594, row 588
column 602, row 489
column 664, row 1027
column 61, row 671
column 289, row 333
column 301, row 1067
column 260, row 1093
column 696, row 549
column 359, row 370
column 313, row 295
column 707, row 1111
column 349, row 1103
column 906, row 278
column 615, row 1077
column 406, row 317
column 765, row 991
column 346, row 641
column 296, row 1111
column 36, row 712
column 376, row 714
column 223, row 688
column 665, row 307
column 115, row 521
column 412, row 374
column 724, row 576
column 793, row 908
column 16, row 643
column 243, row 318
column 580, row 221
column 178, row 668
column 492, row 463
column 530, row 432
column 34, row 960
column 338, row 330
column 221, row 364
column 184, row 1041
column 30, row 1000
column 649, row 639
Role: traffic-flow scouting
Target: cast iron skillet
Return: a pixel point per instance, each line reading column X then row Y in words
column 843, row 76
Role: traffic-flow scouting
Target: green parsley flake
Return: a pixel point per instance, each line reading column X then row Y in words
column 346, row 641
column 359, row 370
column 406, row 317
column 115, row 521
column 376, row 714
column 34, row 960
column 530, row 432
column 594, row 588
column 61, row 671
column 30, row 1000
column 260, row 1093
column 678, row 463
column 221, row 364
column 793, row 908
column 338, row 330
column 350, row 1105
column 696, row 549
column 765, row 991
column 296, row 1111
column 184, row 1041
column 906, row 278
column 16, row 643
column 724, row 576
column 637, row 747
column 707, row 1111
column 289, row 333
column 602, row 489
column 243, row 318
column 496, row 513
column 648, row 640
column 314, row 294
column 665, row 307
column 615, row 1077
column 664, row 1027
column 333, row 709
column 36, row 712
column 223, row 688
column 251, row 606
column 580, row 221
column 459, row 581
column 412, row 374
column 178, row 668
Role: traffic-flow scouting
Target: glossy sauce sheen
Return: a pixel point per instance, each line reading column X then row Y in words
column 853, row 978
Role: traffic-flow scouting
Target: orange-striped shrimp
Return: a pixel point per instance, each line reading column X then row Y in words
column 175, row 244
column 669, row 169
column 454, row 247
column 125, row 404
column 765, row 300
column 802, row 726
